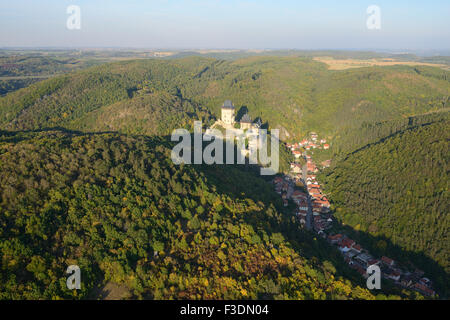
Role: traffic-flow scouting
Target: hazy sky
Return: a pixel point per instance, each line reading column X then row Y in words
column 257, row 24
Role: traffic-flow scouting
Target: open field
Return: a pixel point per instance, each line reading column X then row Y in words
column 342, row 64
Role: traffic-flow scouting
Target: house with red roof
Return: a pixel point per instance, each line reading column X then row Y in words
column 394, row 275
column 388, row 261
column 424, row 290
column 297, row 154
column 357, row 248
column 374, row 261
column 333, row 239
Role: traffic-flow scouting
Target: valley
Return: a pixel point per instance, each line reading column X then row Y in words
column 87, row 178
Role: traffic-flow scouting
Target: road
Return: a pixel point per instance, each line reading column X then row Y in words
column 309, row 216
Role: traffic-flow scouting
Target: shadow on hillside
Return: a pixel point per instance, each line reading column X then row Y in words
column 310, row 244
column 244, row 181
column 242, row 111
column 408, row 259
column 17, row 136
column 315, row 248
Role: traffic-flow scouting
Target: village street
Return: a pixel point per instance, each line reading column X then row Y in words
column 314, row 214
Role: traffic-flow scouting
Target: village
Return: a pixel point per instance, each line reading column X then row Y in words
column 313, row 212
column 312, row 207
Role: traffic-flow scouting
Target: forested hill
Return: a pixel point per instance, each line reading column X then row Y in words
column 398, row 189
column 115, row 204
column 118, row 207
column 294, row 94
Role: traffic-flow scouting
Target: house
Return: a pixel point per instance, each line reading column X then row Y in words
column 297, row 154
column 278, row 180
column 363, row 259
column 313, row 188
column 346, row 245
column 424, row 289
column 360, row 269
column 374, row 262
column 326, row 163
column 351, row 253
column 387, row 261
column 298, row 194
column 426, row 281
column 333, row 239
column 246, row 122
column 322, row 141
column 303, row 206
column 392, row 274
column 395, row 276
column 315, row 193
column 326, row 146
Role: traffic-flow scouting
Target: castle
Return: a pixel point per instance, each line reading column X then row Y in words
column 228, row 113
column 228, row 118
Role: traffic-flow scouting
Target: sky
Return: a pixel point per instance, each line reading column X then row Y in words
column 227, row 24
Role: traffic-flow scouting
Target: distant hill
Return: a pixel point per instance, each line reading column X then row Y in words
column 294, row 94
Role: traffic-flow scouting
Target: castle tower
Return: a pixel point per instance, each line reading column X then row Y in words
column 228, row 113
column 246, row 122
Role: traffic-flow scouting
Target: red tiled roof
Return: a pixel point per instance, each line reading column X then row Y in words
column 424, row 289
column 348, row 243
column 387, row 260
column 373, row 261
column 335, row 237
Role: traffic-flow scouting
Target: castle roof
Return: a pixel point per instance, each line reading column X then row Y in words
column 246, row 119
column 228, row 105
